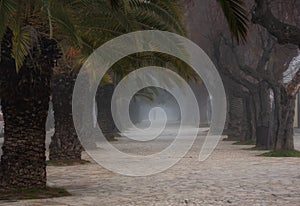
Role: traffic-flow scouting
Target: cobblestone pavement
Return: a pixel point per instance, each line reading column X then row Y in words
column 231, row 176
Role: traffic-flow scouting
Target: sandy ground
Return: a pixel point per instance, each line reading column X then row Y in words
column 231, row 176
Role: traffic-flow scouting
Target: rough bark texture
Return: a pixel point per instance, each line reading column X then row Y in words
column 25, row 102
column 292, row 88
column 238, row 128
column 263, row 122
column 246, row 66
column 23, row 163
column 104, row 114
column 241, row 126
column 285, row 110
column 83, row 111
column 249, row 113
column 285, row 33
column 254, row 80
column 284, row 95
column 65, row 144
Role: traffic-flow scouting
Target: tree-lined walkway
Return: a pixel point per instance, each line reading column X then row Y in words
column 231, row 176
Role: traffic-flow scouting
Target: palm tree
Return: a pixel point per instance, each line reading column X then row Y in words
column 29, row 52
column 100, row 24
column 234, row 12
column 29, row 35
column 104, row 22
column 64, row 144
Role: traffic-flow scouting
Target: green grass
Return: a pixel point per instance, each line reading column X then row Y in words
column 37, row 193
column 256, row 148
column 282, row 153
column 247, row 142
column 67, row 162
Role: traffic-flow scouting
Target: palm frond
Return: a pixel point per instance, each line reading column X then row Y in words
column 7, row 9
column 145, row 94
column 24, row 38
column 61, row 17
column 115, row 4
column 160, row 11
column 236, row 16
column 106, row 79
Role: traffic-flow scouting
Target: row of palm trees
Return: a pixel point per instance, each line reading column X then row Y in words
column 42, row 37
column 119, row 19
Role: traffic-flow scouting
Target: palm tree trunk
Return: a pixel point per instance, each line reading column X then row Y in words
column 65, row 144
column 25, row 109
column 104, row 114
column 23, row 163
column 25, row 102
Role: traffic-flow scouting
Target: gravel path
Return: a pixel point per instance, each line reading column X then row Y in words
column 231, row 176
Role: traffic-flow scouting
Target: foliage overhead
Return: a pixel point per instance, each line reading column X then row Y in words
column 234, row 11
column 31, row 20
column 84, row 24
column 121, row 17
column 236, row 16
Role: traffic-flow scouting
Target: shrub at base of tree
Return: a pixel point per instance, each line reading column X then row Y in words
column 282, row 153
column 38, row 193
